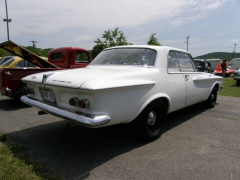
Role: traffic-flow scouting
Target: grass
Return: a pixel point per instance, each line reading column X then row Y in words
column 15, row 163
column 230, row 88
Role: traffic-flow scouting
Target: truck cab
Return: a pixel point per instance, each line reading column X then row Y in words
column 69, row 57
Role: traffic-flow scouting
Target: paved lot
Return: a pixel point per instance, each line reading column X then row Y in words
column 197, row 144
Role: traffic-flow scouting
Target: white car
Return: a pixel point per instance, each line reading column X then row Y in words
column 134, row 84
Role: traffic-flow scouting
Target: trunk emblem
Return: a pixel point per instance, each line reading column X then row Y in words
column 45, row 76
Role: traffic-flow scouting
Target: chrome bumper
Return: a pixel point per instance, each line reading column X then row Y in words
column 83, row 119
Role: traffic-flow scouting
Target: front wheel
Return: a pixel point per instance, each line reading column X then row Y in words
column 212, row 99
column 149, row 124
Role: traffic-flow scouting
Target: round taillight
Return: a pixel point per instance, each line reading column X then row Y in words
column 84, row 103
column 74, row 101
column 28, row 91
column 25, row 90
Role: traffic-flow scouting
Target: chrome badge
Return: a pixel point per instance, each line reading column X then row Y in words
column 45, row 76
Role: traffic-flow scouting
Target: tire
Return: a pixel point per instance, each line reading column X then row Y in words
column 238, row 82
column 212, row 99
column 149, row 124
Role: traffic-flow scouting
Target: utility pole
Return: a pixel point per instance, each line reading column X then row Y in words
column 7, row 20
column 33, row 45
column 187, row 42
column 234, row 50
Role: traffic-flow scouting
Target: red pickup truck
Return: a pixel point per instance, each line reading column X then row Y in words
column 59, row 58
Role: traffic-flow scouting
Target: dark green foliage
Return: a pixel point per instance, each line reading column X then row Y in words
column 38, row 51
column 97, row 49
column 153, row 40
column 219, row 55
column 3, row 53
column 110, row 39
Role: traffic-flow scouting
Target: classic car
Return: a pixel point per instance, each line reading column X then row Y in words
column 229, row 71
column 137, row 84
column 236, row 76
column 203, row 65
column 16, row 62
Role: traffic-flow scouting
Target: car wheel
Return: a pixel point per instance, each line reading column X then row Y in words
column 149, row 124
column 212, row 99
column 238, row 82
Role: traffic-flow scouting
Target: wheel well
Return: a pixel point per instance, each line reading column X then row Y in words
column 216, row 86
column 163, row 99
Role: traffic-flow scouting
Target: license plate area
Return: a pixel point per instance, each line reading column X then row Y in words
column 49, row 96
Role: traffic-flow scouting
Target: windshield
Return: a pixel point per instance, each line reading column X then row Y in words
column 126, row 56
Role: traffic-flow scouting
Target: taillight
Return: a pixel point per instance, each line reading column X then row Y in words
column 27, row 90
column 83, row 103
column 74, row 101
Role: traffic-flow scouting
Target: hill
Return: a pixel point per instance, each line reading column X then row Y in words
column 218, row 55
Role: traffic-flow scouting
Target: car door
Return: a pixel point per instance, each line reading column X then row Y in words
column 177, row 90
column 195, row 90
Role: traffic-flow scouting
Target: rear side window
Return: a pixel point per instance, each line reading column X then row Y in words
column 81, row 57
column 180, row 62
column 25, row 63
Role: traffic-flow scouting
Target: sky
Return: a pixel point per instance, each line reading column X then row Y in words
column 211, row 25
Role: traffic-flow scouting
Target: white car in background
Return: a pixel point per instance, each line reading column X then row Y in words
column 134, row 84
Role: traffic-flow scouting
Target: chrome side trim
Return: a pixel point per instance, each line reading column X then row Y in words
column 85, row 120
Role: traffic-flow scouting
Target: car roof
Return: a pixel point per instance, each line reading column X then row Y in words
column 148, row 46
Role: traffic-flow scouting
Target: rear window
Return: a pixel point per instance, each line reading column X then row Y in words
column 8, row 62
column 56, row 56
column 126, row 56
column 4, row 59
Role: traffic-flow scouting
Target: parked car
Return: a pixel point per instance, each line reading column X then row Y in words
column 236, row 76
column 229, row 71
column 203, row 65
column 16, row 62
column 214, row 63
column 234, row 64
column 134, row 85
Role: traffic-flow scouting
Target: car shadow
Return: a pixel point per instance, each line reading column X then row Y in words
column 74, row 152
column 178, row 117
column 12, row 104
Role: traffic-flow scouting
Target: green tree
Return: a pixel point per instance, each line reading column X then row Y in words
column 38, row 51
column 153, row 40
column 4, row 52
column 110, row 38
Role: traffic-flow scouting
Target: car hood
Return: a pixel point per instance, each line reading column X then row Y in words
column 94, row 77
column 26, row 54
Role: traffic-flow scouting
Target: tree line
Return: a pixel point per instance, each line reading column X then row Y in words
column 110, row 38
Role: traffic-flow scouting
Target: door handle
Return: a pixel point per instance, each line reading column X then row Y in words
column 186, row 77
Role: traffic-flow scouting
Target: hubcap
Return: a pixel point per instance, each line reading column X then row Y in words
column 151, row 118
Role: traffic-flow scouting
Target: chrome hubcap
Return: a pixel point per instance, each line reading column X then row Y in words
column 151, row 118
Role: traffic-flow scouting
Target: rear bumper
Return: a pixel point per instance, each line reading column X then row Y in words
column 236, row 77
column 88, row 120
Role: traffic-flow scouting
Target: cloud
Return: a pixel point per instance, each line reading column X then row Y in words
column 46, row 16
column 235, row 40
column 188, row 19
